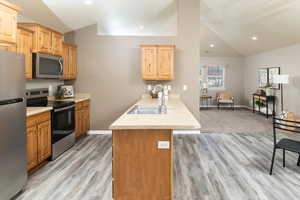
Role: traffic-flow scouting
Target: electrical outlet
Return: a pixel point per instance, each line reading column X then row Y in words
column 163, row 145
column 185, row 87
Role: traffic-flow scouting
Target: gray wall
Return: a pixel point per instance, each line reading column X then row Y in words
column 234, row 76
column 288, row 60
column 109, row 67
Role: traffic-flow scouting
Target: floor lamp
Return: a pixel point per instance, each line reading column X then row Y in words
column 281, row 80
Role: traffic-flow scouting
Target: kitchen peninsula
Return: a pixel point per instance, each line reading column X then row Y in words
column 143, row 149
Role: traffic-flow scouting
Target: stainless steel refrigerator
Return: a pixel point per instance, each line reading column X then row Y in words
column 13, row 172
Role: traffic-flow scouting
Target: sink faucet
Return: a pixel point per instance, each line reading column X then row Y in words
column 163, row 106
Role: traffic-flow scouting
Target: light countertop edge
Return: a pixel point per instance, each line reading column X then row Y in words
column 30, row 111
column 178, row 117
column 79, row 97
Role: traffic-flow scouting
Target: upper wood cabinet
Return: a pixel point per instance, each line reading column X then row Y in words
column 158, row 62
column 8, row 23
column 45, row 40
column 66, row 61
column 57, row 44
column 149, row 62
column 24, row 46
column 11, row 48
column 70, row 61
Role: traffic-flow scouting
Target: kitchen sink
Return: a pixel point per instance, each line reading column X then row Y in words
column 145, row 109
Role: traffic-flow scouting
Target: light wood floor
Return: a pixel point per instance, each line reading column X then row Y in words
column 207, row 167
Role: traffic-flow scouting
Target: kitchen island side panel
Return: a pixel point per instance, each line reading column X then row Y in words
column 140, row 169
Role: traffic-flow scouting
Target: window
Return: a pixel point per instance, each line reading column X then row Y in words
column 213, row 76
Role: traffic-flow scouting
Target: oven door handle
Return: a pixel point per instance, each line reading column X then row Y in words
column 65, row 108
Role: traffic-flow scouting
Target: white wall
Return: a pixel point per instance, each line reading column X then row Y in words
column 233, row 76
column 288, row 59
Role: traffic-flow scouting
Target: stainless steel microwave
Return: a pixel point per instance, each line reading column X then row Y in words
column 46, row 66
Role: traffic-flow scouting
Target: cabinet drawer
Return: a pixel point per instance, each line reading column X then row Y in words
column 86, row 103
column 39, row 118
column 78, row 105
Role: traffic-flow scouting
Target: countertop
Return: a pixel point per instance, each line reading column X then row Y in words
column 78, row 98
column 36, row 110
column 178, row 117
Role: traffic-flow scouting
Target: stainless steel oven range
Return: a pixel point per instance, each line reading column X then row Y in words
column 62, row 119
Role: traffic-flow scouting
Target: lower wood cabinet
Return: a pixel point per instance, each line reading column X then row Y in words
column 32, row 147
column 38, row 139
column 82, row 118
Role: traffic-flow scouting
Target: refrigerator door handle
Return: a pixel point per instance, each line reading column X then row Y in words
column 11, row 101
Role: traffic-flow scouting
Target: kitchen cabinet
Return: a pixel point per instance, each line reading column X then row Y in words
column 24, row 46
column 45, row 40
column 158, row 62
column 149, row 64
column 11, row 48
column 66, row 61
column 44, row 140
column 57, row 44
column 82, row 116
column 8, row 23
column 38, row 139
column 70, row 61
column 32, row 147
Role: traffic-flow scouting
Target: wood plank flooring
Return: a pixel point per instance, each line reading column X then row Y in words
column 207, row 167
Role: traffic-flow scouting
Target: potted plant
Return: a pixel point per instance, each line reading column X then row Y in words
column 259, row 103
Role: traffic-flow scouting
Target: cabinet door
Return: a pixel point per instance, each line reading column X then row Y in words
column 85, row 120
column 165, row 60
column 32, row 147
column 57, row 44
column 8, row 25
column 44, row 40
column 44, row 141
column 11, row 48
column 66, row 61
column 73, row 61
column 149, row 64
column 78, row 123
column 24, row 46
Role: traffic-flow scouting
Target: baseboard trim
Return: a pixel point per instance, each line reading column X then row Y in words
column 99, row 132
column 186, row 132
column 175, row 132
column 222, row 106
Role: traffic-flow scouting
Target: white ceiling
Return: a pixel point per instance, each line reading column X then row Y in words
column 274, row 22
column 228, row 24
column 119, row 17
column 36, row 10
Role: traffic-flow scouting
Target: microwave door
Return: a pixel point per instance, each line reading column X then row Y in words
column 48, row 66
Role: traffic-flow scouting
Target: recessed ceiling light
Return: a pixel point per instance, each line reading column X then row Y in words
column 141, row 27
column 88, row 2
column 212, row 45
column 254, row 38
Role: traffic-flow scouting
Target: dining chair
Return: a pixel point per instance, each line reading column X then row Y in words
column 286, row 144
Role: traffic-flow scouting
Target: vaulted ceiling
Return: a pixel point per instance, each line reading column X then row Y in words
column 228, row 25
column 274, row 22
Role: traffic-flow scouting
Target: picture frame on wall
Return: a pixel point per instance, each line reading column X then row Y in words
column 273, row 71
column 263, row 77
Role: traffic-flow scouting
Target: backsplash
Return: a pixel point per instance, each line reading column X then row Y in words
column 43, row 83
